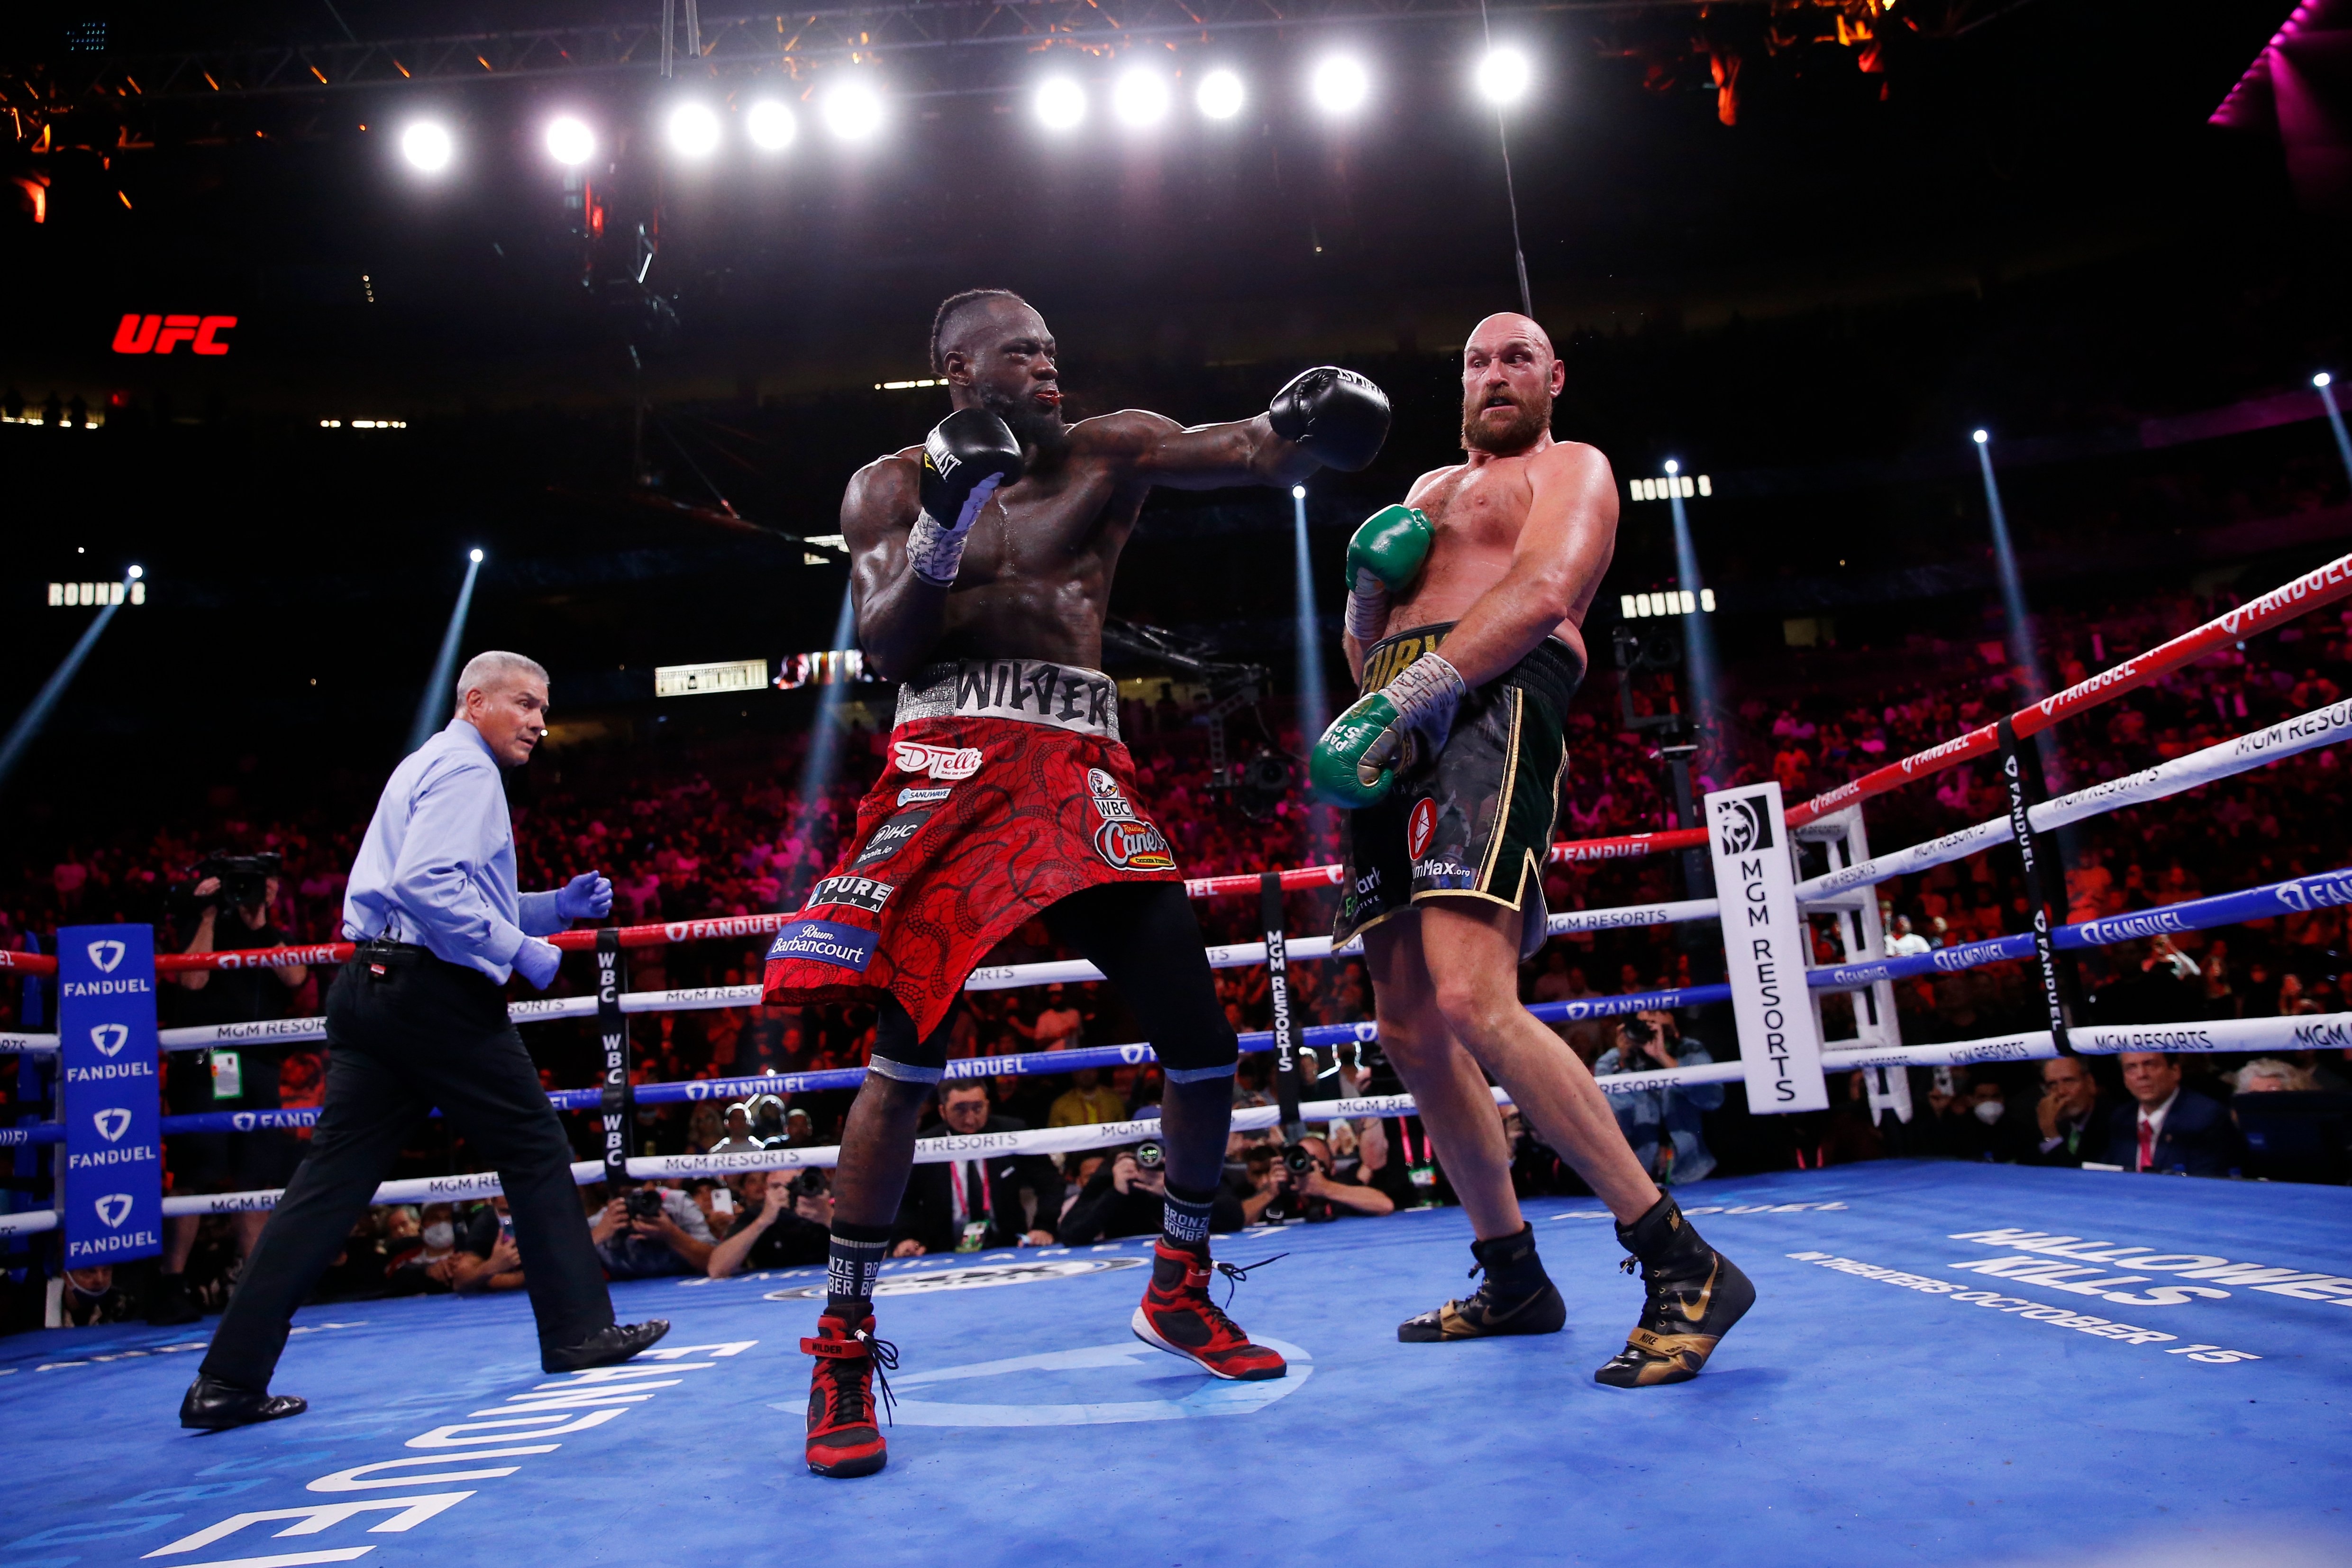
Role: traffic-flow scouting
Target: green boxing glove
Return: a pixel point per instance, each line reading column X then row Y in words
column 1357, row 760
column 1383, row 558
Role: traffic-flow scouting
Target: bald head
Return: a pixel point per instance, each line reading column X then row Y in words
column 1509, row 377
column 1506, row 326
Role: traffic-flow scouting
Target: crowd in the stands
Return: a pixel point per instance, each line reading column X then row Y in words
column 735, row 833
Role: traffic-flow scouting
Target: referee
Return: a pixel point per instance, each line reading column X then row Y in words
column 417, row 1018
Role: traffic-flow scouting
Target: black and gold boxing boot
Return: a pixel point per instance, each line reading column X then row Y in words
column 1516, row 1298
column 1694, row 1295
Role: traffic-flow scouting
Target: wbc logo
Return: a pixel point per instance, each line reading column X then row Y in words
column 114, row 1208
column 106, row 955
column 113, row 1123
column 109, row 1038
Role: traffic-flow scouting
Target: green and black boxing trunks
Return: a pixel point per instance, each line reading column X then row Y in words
column 1475, row 820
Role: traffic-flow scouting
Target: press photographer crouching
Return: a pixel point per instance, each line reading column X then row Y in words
column 1304, row 1182
column 1122, row 1198
column 230, row 902
column 651, row 1231
column 792, row 1227
column 1662, row 1124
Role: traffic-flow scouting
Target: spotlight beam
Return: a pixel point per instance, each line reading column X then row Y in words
column 438, row 699
column 36, row 712
column 2325, row 383
column 2012, row 585
column 824, row 736
column 1313, row 706
column 1698, row 636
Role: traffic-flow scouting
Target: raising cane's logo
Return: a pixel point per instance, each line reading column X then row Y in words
column 1133, row 846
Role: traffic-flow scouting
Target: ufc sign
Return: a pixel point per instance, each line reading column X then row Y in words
column 140, row 334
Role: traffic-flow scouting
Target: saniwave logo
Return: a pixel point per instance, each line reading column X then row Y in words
column 826, row 942
column 1744, row 824
column 106, row 955
column 109, row 1038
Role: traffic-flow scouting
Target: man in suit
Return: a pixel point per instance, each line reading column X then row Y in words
column 2069, row 1124
column 2168, row 1128
column 979, row 1197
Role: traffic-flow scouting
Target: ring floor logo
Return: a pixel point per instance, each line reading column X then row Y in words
column 1128, row 1368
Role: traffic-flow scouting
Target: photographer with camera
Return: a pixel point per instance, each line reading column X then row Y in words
column 1323, row 1193
column 651, row 1231
column 792, row 1227
column 232, row 897
column 1122, row 1198
column 1662, row 1124
column 963, row 1205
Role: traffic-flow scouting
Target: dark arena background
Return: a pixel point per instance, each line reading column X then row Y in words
column 1967, row 369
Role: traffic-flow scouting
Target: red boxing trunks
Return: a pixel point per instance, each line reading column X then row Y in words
column 1007, row 791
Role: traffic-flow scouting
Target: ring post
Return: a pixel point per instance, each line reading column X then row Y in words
column 1277, row 989
column 617, row 1111
column 1764, row 948
column 2021, row 777
column 108, row 1099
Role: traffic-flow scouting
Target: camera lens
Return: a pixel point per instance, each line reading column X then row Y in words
column 1149, row 1155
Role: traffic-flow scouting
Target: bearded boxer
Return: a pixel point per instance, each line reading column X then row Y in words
column 1464, row 617
column 980, row 569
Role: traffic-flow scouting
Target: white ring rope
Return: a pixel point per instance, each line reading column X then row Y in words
column 2224, row 759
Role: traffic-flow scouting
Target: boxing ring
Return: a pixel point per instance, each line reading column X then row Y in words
column 2121, row 1374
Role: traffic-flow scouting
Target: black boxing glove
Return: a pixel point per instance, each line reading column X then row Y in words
column 968, row 457
column 1341, row 418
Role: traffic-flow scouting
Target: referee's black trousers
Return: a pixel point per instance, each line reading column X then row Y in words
column 424, row 1033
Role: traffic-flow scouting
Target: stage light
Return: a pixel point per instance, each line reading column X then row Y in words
column 1298, row 492
column 1221, row 95
column 771, row 125
column 1673, row 466
column 693, row 131
column 1504, row 75
column 570, row 142
column 1339, row 85
column 136, row 573
column 1061, row 103
column 2322, row 379
column 427, row 147
column 1979, row 437
column 1140, row 97
column 853, row 111
column 475, row 556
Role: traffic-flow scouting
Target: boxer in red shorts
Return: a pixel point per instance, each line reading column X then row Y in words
column 981, row 569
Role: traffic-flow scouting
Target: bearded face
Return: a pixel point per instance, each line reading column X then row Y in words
column 1503, row 420
column 1031, row 424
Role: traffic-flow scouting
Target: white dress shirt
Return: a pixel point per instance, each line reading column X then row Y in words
column 437, row 866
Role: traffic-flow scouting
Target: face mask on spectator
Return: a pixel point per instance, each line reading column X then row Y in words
column 1988, row 1111
column 440, row 1236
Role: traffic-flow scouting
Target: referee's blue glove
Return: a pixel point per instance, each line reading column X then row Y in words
column 537, row 961
column 587, row 897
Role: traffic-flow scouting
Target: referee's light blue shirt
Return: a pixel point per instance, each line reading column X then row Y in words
column 437, row 866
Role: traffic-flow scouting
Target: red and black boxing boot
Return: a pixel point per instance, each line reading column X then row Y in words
column 843, row 1439
column 1516, row 1298
column 1177, row 1316
column 1693, row 1296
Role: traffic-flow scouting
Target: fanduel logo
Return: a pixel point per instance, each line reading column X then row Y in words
column 109, row 1038
column 113, row 1123
column 114, row 1208
column 106, row 955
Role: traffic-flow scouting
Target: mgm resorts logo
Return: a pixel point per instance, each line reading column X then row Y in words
column 1744, row 824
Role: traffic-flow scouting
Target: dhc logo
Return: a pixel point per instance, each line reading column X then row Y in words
column 109, row 1038
column 106, row 955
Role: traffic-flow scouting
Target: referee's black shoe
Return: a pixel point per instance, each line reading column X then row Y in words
column 213, row 1405
column 607, row 1346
